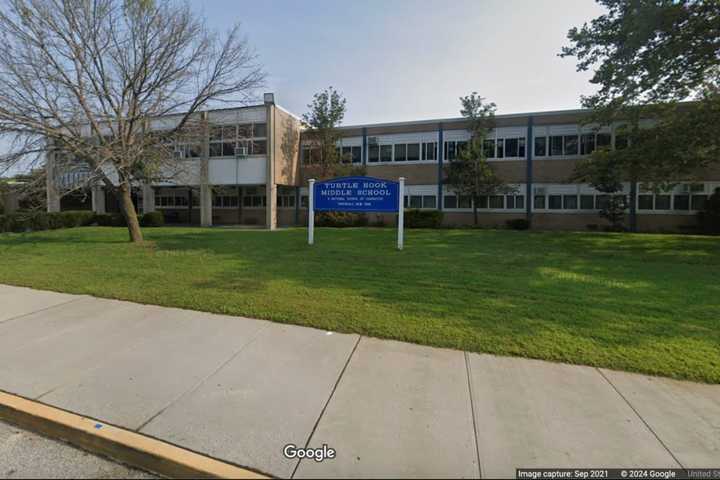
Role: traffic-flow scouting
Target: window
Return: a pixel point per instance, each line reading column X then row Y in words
column 373, row 153
column 662, row 202
column 681, row 202
column 539, row 202
column 603, row 140
column 645, row 202
column 698, row 202
column 414, row 202
column 285, row 197
column 511, row 147
column 429, row 151
column 570, row 202
column 400, row 154
column 450, row 201
column 556, row 146
column 587, row 202
column 515, row 202
column 386, row 153
column 459, row 147
column 540, row 146
column 224, row 139
column 450, row 153
column 602, row 202
column 571, row 145
column 413, row 152
column 464, row 201
column 497, row 201
column 259, row 147
column 304, row 201
column 587, row 143
column 345, row 155
column 500, row 148
column 489, row 148
column 428, row 201
column 521, row 147
column 260, row 130
column 482, row 202
column 356, row 154
column 555, row 202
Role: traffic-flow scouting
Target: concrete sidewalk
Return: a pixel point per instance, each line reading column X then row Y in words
column 239, row 390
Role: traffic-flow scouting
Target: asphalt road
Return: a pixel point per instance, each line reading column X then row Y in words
column 27, row 455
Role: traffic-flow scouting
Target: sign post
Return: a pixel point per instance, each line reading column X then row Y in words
column 401, row 213
column 311, row 212
column 356, row 194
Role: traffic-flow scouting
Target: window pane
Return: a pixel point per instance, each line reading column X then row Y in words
column 459, row 147
column 539, row 202
column 540, row 143
column 216, row 149
column 429, row 201
column 698, row 202
column 662, row 202
column 603, row 140
column 304, row 201
column 400, row 155
column 587, row 143
column 482, row 202
column 415, row 201
column 645, row 202
column 356, row 153
column 497, row 201
column 260, row 130
column 413, row 151
column 570, row 202
column 571, row 145
column 602, row 201
column 555, row 202
column 510, row 201
column 520, row 201
column 259, row 147
column 245, row 130
column 464, row 201
column 449, row 150
column 556, row 146
column 229, row 133
column 216, row 133
column 373, row 153
column 450, row 201
column 500, row 148
column 228, row 149
column 587, row 202
column 430, row 151
column 521, row 147
column 681, row 202
column 489, row 148
column 511, row 147
column 386, row 152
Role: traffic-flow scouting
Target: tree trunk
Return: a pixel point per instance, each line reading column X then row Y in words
column 128, row 210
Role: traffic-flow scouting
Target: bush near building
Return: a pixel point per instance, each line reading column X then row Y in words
column 340, row 219
column 35, row 221
column 423, row 218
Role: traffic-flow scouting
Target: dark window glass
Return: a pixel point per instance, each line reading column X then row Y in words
column 464, row 201
column 304, row 201
column 556, row 146
column 520, row 201
column 386, row 153
column 510, row 201
column 216, row 133
column 500, row 148
column 430, row 151
column 621, row 141
column 228, row 149
column 571, row 145
column 662, row 202
column 681, row 202
column 356, row 154
column 400, row 155
column 449, row 150
column 698, row 202
column 482, row 201
column 373, row 153
column 259, row 147
column 511, row 147
column 415, row 201
column 247, row 201
column 555, row 202
column 489, row 148
column 645, row 202
column 587, row 202
column 521, row 147
column 261, row 130
column 497, row 201
column 603, row 140
column 539, row 202
column 570, row 202
column 246, row 131
column 459, row 147
column 540, row 144
column 429, row 201
column 216, row 149
column 450, row 201
column 587, row 143
column 602, row 201
column 413, row 151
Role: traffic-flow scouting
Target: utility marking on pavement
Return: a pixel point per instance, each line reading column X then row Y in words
column 123, row 445
column 468, row 370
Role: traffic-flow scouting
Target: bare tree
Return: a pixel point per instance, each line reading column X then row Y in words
column 86, row 81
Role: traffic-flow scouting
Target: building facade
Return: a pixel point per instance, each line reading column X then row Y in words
column 266, row 184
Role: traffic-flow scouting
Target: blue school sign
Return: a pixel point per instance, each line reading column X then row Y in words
column 357, row 194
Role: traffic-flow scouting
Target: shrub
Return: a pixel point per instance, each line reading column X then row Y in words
column 110, row 220
column 152, row 219
column 518, row 224
column 340, row 219
column 423, row 218
column 709, row 218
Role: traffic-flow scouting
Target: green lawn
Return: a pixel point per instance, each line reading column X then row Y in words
column 647, row 303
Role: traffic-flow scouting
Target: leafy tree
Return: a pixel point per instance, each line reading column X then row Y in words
column 602, row 171
column 82, row 81
column 470, row 174
column 325, row 115
column 647, row 57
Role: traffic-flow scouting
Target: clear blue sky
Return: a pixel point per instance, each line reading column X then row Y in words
column 400, row 60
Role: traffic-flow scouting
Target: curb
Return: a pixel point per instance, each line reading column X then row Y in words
column 117, row 443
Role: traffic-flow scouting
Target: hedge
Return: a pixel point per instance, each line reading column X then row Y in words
column 34, row 221
column 340, row 219
column 423, row 218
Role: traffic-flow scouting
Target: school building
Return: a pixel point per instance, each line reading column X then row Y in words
column 253, row 166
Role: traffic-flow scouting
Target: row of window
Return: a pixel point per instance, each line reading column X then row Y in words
column 233, row 140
